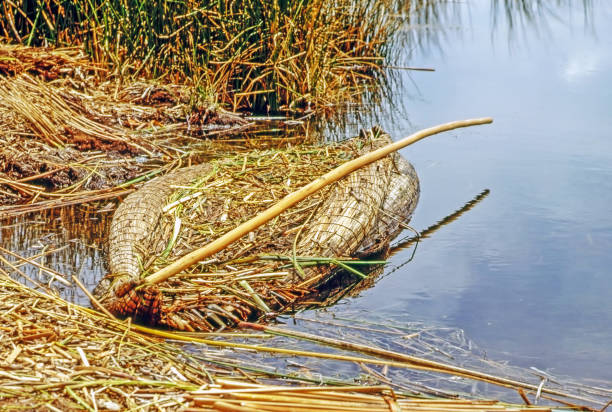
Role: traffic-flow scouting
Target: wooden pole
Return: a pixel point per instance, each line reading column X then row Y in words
column 292, row 198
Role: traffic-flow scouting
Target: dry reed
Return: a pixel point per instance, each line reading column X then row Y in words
column 59, row 356
column 247, row 54
column 69, row 139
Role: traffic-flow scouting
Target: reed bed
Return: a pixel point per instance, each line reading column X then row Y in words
column 70, row 139
column 250, row 54
column 59, row 356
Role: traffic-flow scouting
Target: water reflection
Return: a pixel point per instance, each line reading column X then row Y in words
column 431, row 28
column 69, row 241
column 409, row 241
column 345, row 286
column 519, row 15
column 526, row 272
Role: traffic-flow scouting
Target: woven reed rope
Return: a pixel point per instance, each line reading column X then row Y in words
column 362, row 212
column 135, row 223
column 349, row 211
column 400, row 201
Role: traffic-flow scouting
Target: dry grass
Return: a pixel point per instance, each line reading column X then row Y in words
column 62, row 355
column 59, row 356
column 69, row 139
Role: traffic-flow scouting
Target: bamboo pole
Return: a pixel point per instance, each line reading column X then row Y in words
column 291, row 199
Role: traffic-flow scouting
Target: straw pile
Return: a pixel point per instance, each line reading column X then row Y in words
column 57, row 356
column 68, row 138
column 278, row 267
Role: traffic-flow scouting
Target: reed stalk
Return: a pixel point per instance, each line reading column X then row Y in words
column 126, row 369
column 246, row 54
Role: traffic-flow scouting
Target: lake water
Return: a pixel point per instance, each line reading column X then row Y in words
column 527, row 272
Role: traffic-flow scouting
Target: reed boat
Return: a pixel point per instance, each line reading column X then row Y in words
column 343, row 230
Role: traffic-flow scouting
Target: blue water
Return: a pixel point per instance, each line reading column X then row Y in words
column 527, row 272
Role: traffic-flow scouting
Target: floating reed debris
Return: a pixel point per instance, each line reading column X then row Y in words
column 60, row 356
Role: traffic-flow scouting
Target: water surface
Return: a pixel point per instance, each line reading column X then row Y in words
column 526, row 273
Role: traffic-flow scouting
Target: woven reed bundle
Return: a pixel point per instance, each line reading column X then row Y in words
column 274, row 267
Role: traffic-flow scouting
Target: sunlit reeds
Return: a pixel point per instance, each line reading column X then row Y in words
column 248, row 54
column 61, row 356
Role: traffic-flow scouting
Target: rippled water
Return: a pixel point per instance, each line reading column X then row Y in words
column 526, row 271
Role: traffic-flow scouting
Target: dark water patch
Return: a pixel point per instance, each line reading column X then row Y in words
column 67, row 241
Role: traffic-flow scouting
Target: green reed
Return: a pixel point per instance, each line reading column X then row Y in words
column 246, row 54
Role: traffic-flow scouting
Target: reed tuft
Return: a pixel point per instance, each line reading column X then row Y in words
column 255, row 55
